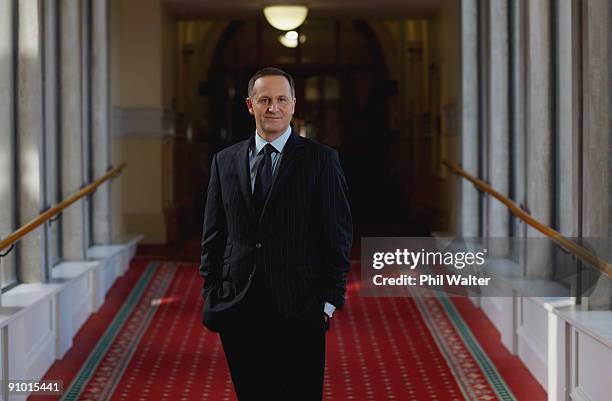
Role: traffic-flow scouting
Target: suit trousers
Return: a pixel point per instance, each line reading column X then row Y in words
column 272, row 357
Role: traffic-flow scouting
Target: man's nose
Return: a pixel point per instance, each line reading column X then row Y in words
column 273, row 106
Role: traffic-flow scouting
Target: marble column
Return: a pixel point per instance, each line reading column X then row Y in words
column 595, row 137
column 595, row 122
column 567, row 175
column 498, row 128
column 71, row 128
column 539, row 133
column 610, row 126
column 568, row 180
column 469, row 117
column 101, row 222
column 29, row 139
column 52, row 134
column 483, row 113
column 7, row 223
column 517, row 112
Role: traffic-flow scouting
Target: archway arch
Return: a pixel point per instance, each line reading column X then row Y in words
column 343, row 95
column 337, row 70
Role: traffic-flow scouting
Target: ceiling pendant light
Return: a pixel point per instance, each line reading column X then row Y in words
column 291, row 38
column 285, row 18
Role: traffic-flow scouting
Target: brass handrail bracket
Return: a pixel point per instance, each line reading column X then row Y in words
column 8, row 251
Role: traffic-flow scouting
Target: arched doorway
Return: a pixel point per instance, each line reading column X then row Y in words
column 343, row 98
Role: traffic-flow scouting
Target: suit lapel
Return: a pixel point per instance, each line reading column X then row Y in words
column 244, row 175
column 292, row 155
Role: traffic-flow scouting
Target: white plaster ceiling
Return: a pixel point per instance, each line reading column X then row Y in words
column 240, row 9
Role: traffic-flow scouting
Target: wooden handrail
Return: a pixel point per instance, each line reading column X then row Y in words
column 554, row 235
column 48, row 214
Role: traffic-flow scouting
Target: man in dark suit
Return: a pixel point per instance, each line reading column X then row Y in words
column 275, row 249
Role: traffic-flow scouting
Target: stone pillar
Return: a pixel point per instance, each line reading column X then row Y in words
column 7, row 223
column 498, row 128
column 595, row 137
column 29, row 139
column 52, row 134
column 610, row 108
column 73, row 218
column 6, row 117
column 609, row 200
column 483, row 113
column 86, row 112
column 595, row 121
column 101, row 224
column 539, row 135
column 568, row 180
column 469, row 117
column 517, row 112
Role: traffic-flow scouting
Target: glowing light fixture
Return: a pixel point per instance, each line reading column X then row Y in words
column 285, row 18
column 291, row 38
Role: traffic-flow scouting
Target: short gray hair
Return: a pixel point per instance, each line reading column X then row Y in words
column 266, row 71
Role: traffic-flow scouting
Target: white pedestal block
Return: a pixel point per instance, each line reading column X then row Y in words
column 585, row 350
column 39, row 321
column 75, row 301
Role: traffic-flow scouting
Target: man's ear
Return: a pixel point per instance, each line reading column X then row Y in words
column 249, row 104
column 293, row 111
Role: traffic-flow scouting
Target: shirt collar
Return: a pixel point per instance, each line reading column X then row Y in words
column 279, row 143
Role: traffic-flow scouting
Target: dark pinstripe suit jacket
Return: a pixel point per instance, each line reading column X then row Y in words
column 300, row 242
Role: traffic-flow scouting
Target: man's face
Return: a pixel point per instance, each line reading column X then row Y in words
column 272, row 104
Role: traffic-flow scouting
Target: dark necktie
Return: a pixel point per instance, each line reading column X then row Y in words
column 263, row 179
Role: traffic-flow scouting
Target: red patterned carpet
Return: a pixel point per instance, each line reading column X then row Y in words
column 147, row 343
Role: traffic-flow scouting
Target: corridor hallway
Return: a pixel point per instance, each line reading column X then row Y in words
column 483, row 121
column 147, row 343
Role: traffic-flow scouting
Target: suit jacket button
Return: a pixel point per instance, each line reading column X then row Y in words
column 258, row 245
